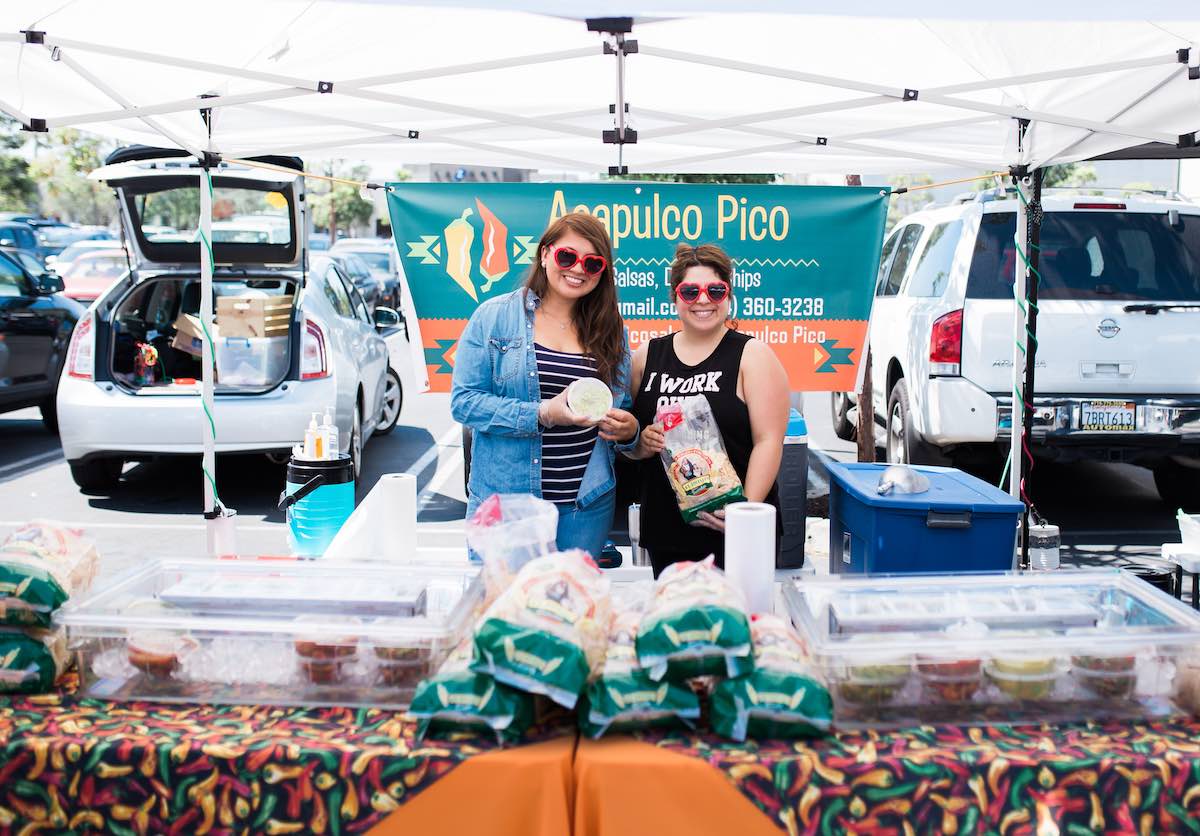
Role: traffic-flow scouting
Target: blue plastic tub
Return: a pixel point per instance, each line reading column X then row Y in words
column 961, row 524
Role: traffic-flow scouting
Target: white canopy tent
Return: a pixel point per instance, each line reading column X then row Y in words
column 570, row 88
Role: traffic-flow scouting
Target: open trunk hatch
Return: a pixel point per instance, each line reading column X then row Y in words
column 157, row 338
column 256, row 212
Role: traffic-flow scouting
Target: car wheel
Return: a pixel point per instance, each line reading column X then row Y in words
column 1178, row 485
column 842, row 427
column 393, row 400
column 49, row 408
column 97, row 474
column 356, row 441
column 903, row 445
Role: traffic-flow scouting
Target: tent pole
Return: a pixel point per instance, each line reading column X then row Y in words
column 209, row 458
column 1034, row 238
column 1016, row 396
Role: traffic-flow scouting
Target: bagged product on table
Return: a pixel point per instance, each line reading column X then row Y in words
column 780, row 698
column 31, row 659
column 696, row 625
column 506, row 532
column 42, row 564
column 621, row 695
column 698, row 467
column 547, row 630
column 457, row 698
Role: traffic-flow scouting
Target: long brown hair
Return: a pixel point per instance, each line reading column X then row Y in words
column 595, row 316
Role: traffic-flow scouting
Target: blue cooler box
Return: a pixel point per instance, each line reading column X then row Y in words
column 961, row 524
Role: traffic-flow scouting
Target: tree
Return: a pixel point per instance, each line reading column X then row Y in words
column 62, row 173
column 909, row 202
column 1068, row 174
column 340, row 205
column 18, row 190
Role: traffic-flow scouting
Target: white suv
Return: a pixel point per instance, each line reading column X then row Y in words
column 1118, row 356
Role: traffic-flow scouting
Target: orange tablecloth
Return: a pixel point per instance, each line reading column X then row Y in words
column 521, row 791
column 624, row 787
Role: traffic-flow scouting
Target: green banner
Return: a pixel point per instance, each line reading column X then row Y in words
column 805, row 259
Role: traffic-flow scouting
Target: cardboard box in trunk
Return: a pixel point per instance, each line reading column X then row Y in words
column 189, row 336
column 254, row 317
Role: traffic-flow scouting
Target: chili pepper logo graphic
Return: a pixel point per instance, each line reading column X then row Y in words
column 500, row 250
column 459, row 237
column 493, row 264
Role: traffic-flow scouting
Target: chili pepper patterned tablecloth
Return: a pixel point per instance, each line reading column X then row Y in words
column 71, row 764
column 1115, row 778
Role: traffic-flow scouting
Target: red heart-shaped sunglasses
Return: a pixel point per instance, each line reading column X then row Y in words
column 566, row 258
column 689, row 292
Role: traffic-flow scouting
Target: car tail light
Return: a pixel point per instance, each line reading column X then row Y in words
column 314, row 360
column 945, row 344
column 81, row 354
column 1099, row 205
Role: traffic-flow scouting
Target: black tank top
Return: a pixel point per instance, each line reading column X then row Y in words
column 667, row 379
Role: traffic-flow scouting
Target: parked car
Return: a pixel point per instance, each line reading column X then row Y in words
column 21, row 236
column 1118, row 354
column 358, row 272
column 36, row 321
column 53, row 240
column 28, row 259
column 92, row 273
column 130, row 389
column 73, row 251
column 318, row 243
column 381, row 256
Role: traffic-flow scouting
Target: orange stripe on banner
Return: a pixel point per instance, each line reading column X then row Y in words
column 820, row 355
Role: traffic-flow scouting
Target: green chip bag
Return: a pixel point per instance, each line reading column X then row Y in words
column 545, row 632
column 31, row 660
column 42, row 565
column 696, row 626
column 779, row 699
column 458, row 699
column 623, row 697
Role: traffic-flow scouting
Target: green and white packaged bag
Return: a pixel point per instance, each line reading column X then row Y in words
column 31, row 659
column 696, row 625
column 780, row 698
column 622, row 696
column 457, row 698
column 547, row 630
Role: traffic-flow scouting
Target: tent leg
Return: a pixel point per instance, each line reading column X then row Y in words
column 1034, row 238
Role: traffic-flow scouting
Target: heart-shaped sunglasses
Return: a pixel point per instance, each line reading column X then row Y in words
column 566, row 258
column 689, row 292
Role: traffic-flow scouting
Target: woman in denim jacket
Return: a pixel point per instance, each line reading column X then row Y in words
column 514, row 361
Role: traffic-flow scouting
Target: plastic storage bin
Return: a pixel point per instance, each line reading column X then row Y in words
column 251, row 361
column 270, row 632
column 961, row 524
column 995, row 648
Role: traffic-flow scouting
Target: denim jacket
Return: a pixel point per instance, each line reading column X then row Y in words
column 496, row 393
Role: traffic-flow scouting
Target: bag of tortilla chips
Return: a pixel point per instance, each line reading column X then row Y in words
column 780, row 698
column 622, row 696
column 697, row 465
column 458, row 699
column 42, row 565
column 547, row 630
column 31, row 660
column 696, row 625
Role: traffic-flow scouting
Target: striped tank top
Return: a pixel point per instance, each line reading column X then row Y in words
column 565, row 450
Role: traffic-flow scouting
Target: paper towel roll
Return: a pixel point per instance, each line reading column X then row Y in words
column 396, row 530
column 383, row 526
column 750, row 551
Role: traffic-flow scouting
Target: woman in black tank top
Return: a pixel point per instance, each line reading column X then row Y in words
column 744, row 383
